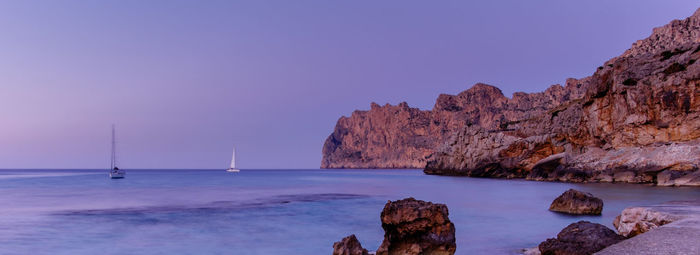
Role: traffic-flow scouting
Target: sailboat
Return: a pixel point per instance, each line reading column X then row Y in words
column 114, row 171
column 233, row 168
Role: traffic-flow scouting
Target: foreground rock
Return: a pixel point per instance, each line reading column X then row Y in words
column 576, row 202
column 415, row 227
column 580, row 238
column 681, row 236
column 349, row 246
column 636, row 220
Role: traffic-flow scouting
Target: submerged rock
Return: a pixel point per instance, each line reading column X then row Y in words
column 636, row 220
column 349, row 246
column 576, row 202
column 580, row 238
column 415, row 227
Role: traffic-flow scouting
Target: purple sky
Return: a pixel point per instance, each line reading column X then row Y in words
column 186, row 80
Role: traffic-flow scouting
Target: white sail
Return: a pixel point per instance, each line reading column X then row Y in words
column 233, row 159
column 233, row 168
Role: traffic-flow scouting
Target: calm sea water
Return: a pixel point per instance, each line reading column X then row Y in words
column 276, row 211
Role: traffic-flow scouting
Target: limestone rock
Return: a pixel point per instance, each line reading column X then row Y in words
column 576, row 202
column 666, row 164
column 669, row 37
column 672, row 177
column 678, row 237
column 383, row 137
column 637, row 122
column 636, row 220
column 636, row 119
column 415, row 227
column 580, row 238
column 349, row 246
column 402, row 137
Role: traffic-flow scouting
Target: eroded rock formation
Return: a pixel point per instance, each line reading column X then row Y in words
column 636, row 220
column 668, row 228
column 403, row 137
column 576, row 202
column 411, row 227
column 349, row 246
column 636, row 120
column 580, row 238
column 415, row 227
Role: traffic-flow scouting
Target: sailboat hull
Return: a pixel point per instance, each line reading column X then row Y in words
column 233, row 170
column 117, row 175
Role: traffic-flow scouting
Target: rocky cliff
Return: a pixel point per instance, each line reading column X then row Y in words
column 634, row 120
column 403, row 137
column 638, row 121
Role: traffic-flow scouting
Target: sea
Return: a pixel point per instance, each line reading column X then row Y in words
column 278, row 211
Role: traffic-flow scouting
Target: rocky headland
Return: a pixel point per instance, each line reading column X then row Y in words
column 403, row 137
column 635, row 120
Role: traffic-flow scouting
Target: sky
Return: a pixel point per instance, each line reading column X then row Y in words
column 185, row 81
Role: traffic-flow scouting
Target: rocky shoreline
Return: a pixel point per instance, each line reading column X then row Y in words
column 635, row 120
column 638, row 122
column 669, row 228
column 418, row 227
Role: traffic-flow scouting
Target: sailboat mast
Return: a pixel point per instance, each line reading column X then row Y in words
column 113, row 161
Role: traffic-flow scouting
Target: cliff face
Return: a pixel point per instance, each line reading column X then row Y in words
column 403, row 137
column 635, row 119
column 638, row 121
column 383, row 137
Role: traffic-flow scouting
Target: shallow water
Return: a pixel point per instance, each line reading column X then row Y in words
column 277, row 211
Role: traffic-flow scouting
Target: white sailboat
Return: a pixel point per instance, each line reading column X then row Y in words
column 114, row 171
column 233, row 168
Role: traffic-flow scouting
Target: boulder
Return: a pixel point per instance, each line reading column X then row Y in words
column 580, row 238
column 636, row 220
column 416, row 227
column 576, row 202
column 349, row 246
